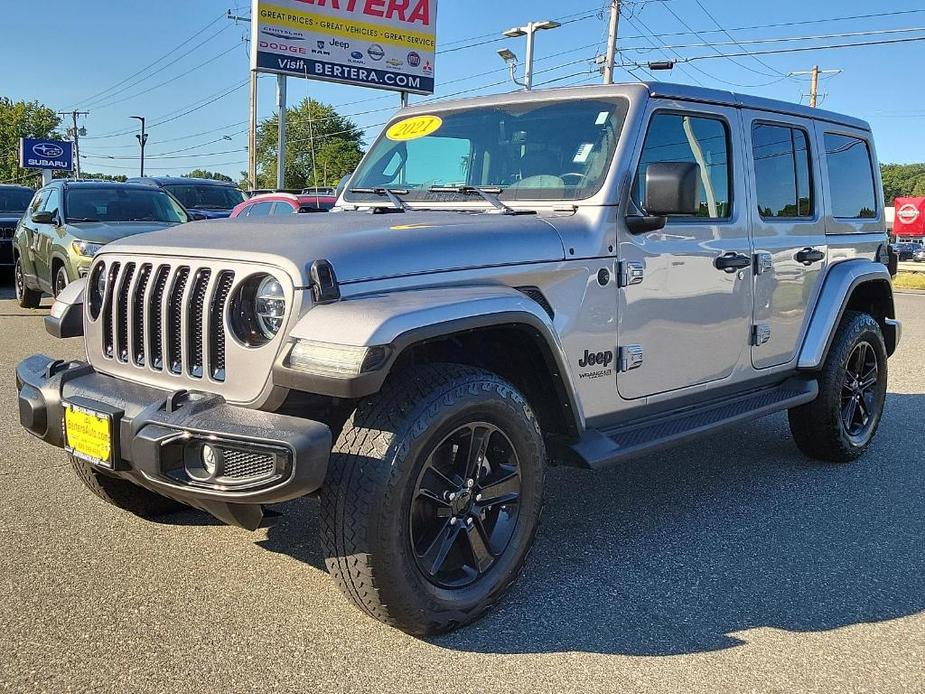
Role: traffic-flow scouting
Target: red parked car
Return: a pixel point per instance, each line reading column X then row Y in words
column 276, row 204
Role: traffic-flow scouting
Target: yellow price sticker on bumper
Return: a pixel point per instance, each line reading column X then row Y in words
column 413, row 128
column 88, row 433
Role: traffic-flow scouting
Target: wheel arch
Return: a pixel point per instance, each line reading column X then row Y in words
column 500, row 329
column 858, row 285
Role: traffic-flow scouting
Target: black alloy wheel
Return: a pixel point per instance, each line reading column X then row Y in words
column 465, row 505
column 858, row 397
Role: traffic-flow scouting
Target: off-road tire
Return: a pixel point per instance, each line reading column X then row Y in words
column 25, row 297
column 818, row 427
column 367, row 498
column 122, row 494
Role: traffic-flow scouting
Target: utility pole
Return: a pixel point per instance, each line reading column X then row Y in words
column 530, row 32
column 252, row 114
column 612, row 41
column 814, row 81
column 142, row 140
column 75, row 134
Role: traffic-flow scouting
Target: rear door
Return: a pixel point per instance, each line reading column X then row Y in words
column 30, row 232
column 690, row 316
column 788, row 224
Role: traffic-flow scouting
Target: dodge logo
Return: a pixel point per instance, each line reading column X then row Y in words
column 908, row 213
column 48, row 151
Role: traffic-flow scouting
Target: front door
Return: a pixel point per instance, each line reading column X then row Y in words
column 43, row 241
column 690, row 317
column 788, row 228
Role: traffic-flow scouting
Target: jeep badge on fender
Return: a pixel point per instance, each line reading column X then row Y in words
column 416, row 358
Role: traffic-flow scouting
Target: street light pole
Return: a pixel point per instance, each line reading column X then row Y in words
column 530, row 32
column 142, row 140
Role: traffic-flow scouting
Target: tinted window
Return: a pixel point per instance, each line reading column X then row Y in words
column 851, row 177
column 697, row 140
column 210, row 197
column 782, row 171
column 259, row 209
column 53, row 203
column 15, row 199
column 39, row 200
column 88, row 204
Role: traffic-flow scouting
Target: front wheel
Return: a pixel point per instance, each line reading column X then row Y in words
column 61, row 280
column 433, row 497
column 839, row 425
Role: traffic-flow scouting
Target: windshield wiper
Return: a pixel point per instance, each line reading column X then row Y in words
column 390, row 193
column 81, row 219
column 490, row 195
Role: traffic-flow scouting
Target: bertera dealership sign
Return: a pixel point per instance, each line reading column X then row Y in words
column 45, row 154
column 385, row 44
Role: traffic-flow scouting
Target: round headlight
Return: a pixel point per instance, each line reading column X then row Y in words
column 270, row 306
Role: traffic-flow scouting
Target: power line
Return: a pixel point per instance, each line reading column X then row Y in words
column 720, row 26
column 150, row 65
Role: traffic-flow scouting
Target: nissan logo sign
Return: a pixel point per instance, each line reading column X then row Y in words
column 908, row 213
column 47, row 150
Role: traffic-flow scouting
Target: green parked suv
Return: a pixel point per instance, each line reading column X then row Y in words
column 69, row 221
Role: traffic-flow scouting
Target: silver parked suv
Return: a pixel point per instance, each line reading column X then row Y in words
column 574, row 276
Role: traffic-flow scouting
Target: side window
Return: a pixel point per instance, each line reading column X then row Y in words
column 53, row 202
column 782, row 172
column 38, row 202
column 851, row 177
column 260, row 209
column 281, row 209
column 701, row 140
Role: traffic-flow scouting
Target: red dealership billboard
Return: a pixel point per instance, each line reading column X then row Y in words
column 910, row 217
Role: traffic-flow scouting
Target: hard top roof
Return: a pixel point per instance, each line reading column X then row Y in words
column 664, row 90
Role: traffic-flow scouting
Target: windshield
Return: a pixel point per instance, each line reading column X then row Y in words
column 198, row 196
column 532, row 151
column 15, row 199
column 122, row 205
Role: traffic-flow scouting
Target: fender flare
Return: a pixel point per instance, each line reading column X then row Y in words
column 839, row 284
column 402, row 319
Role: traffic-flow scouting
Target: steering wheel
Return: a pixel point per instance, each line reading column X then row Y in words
column 580, row 176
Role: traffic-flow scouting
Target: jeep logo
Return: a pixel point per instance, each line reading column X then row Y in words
column 596, row 359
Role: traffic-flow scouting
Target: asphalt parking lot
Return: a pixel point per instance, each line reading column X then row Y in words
column 733, row 564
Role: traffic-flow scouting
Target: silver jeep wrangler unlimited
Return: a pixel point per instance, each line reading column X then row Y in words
column 573, row 276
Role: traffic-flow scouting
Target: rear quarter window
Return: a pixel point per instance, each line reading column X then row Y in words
column 851, row 177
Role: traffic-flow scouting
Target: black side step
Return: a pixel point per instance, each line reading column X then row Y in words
column 602, row 448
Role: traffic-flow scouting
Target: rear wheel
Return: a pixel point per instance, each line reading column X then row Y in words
column 124, row 495
column 25, row 297
column 433, row 498
column 840, row 424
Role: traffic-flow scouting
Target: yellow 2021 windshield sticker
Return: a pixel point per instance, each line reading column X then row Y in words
column 413, row 128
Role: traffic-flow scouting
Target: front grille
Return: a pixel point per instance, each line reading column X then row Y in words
column 156, row 314
column 240, row 465
column 6, row 232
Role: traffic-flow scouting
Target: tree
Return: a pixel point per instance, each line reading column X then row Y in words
column 22, row 119
column 321, row 146
column 211, row 175
column 902, row 180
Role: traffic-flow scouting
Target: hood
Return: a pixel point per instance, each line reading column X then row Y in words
column 105, row 232
column 363, row 246
column 209, row 213
column 10, row 218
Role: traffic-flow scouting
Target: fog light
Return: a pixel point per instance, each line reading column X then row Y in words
column 208, row 457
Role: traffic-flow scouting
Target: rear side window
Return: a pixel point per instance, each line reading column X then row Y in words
column 782, row 172
column 260, row 209
column 675, row 137
column 851, row 177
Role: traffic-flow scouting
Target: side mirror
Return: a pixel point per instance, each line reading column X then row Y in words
column 672, row 188
column 43, row 217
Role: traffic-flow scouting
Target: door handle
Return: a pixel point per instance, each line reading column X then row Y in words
column 732, row 262
column 808, row 256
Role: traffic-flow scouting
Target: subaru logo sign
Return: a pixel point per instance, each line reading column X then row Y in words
column 46, row 154
column 48, row 150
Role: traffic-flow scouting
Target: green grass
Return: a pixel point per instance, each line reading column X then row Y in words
column 909, row 280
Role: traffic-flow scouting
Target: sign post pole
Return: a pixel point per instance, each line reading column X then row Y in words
column 281, row 152
column 46, row 177
column 404, row 99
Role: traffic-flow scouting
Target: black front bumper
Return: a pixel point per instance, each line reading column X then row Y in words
column 154, row 432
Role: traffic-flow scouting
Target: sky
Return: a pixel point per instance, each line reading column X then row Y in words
column 72, row 55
